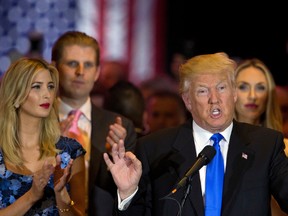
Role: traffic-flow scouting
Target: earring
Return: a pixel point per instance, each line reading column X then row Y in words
column 16, row 106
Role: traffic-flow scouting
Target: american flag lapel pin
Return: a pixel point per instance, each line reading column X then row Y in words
column 245, row 156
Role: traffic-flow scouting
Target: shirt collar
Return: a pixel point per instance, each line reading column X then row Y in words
column 203, row 135
column 64, row 109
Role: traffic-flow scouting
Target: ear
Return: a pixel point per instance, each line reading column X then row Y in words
column 187, row 101
column 97, row 74
column 235, row 95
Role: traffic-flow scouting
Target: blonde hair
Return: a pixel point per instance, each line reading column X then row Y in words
column 272, row 117
column 205, row 64
column 15, row 87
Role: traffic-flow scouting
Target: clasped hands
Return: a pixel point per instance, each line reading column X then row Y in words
column 61, row 177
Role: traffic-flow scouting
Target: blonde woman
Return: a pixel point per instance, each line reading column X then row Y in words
column 41, row 173
column 257, row 103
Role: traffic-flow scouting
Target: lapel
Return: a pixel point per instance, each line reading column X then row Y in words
column 97, row 149
column 95, row 153
column 185, row 146
column 239, row 159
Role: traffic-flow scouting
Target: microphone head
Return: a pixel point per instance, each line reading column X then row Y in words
column 207, row 153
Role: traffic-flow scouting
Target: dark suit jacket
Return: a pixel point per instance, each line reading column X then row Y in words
column 101, row 189
column 256, row 168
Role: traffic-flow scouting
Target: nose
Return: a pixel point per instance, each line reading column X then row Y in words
column 252, row 93
column 47, row 93
column 213, row 97
column 80, row 70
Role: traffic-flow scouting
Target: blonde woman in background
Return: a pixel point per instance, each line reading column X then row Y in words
column 257, row 103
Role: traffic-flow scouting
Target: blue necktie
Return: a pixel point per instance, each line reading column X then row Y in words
column 214, row 180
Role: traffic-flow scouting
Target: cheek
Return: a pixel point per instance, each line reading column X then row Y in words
column 263, row 98
column 53, row 95
column 96, row 75
column 65, row 77
column 263, row 104
column 241, row 98
column 30, row 101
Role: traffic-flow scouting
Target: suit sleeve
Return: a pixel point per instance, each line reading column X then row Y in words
column 131, row 138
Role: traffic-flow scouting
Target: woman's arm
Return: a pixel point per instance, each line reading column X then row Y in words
column 73, row 203
column 25, row 202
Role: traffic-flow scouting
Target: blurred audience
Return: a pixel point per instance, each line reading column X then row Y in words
column 126, row 98
column 164, row 109
column 110, row 73
column 157, row 83
column 257, row 103
column 177, row 60
column 282, row 96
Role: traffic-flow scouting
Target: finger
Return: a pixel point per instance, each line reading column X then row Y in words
column 119, row 131
column 67, row 169
column 58, row 160
column 107, row 161
column 118, row 120
column 63, row 176
column 137, row 163
column 109, row 140
column 115, row 152
column 121, row 149
column 47, row 169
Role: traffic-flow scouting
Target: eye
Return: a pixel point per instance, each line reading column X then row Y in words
column 260, row 88
column 36, row 86
column 51, row 86
column 89, row 64
column 202, row 92
column 221, row 88
column 73, row 64
column 243, row 87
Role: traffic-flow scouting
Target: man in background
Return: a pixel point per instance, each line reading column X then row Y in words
column 77, row 58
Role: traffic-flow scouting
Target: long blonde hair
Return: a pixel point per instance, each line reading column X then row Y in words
column 15, row 87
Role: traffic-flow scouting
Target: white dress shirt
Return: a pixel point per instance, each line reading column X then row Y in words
column 202, row 138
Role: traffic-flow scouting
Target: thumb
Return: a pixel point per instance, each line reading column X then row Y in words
column 118, row 120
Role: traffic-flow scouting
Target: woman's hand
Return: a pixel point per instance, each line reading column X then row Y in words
column 61, row 178
column 41, row 178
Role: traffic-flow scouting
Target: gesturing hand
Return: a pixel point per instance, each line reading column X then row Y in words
column 126, row 169
column 115, row 134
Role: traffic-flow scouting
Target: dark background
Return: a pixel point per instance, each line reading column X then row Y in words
column 241, row 29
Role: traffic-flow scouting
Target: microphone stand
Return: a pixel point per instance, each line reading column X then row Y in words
column 186, row 193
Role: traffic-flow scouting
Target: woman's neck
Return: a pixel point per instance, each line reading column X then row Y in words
column 249, row 120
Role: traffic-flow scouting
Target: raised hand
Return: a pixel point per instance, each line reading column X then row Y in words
column 116, row 133
column 125, row 168
column 65, row 125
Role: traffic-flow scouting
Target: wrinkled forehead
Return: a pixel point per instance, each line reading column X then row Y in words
column 211, row 78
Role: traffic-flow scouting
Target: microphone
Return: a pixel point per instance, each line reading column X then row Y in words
column 204, row 157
